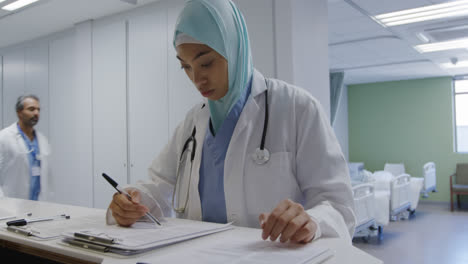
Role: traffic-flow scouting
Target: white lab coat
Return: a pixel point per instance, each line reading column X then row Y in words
column 306, row 163
column 14, row 165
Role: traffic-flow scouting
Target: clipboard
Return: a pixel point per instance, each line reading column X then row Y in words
column 126, row 241
column 43, row 228
column 32, row 232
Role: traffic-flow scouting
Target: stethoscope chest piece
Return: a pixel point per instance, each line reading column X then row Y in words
column 261, row 156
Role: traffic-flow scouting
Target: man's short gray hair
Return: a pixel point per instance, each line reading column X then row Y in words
column 20, row 102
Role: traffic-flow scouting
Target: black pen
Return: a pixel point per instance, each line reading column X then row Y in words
column 122, row 191
column 24, row 221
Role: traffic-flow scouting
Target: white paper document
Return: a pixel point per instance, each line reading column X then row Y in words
column 236, row 251
column 265, row 252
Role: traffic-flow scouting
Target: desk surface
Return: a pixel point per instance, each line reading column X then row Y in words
column 177, row 253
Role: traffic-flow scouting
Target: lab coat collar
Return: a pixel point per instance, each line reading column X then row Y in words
column 258, row 84
column 253, row 103
column 14, row 131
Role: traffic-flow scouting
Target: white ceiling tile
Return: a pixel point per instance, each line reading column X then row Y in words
column 396, row 48
column 340, row 11
column 358, row 24
column 355, row 29
column 338, row 38
column 3, row 12
column 374, row 52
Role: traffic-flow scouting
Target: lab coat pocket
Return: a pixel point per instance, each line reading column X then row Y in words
column 268, row 184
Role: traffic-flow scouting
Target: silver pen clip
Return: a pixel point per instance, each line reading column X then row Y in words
column 87, row 245
column 19, row 231
column 92, row 238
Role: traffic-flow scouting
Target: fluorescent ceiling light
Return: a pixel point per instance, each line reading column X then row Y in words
column 18, row 4
column 460, row 64
column 450, row 9
column 443, row 45
column 1, row 1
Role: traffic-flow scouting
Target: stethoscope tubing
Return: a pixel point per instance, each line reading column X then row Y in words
column 265, row 153
column 265, row 122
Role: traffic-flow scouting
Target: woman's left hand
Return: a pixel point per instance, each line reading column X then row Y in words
column 290, row 220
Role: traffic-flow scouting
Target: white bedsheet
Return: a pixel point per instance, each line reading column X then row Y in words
column 416, row 185
column 382, row 207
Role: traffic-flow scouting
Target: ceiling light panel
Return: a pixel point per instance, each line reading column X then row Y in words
column 432, row 12
column 18, row 4
column 443, row 45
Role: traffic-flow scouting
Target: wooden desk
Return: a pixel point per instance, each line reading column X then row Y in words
column 51, row 250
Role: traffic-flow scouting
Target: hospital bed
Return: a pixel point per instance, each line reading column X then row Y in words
column 429, row 175
column 371, row 206
column 398, row 188
column 364, row 209
column 415, row 183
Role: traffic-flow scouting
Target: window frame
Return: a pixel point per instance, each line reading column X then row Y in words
column 454, row 111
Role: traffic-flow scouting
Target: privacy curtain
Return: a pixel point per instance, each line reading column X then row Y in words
column 336, row 86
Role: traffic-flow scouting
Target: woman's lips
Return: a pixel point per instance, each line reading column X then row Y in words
column 207, row 93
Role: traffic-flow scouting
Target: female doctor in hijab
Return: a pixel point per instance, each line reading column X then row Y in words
column 259, row 152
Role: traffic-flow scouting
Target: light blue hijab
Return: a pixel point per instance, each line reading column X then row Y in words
column 221, row 26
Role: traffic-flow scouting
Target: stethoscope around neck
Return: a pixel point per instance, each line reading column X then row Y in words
column 260, row 157
column 261, row 154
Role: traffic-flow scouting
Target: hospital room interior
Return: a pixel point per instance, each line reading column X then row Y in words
column 392, row 77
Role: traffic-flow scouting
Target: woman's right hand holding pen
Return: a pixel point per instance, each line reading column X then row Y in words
column 125, row 211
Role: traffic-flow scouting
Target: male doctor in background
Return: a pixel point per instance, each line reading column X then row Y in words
column 23, row 154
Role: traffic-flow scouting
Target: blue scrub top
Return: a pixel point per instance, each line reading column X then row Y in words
column 33, row 147
column 211, row 184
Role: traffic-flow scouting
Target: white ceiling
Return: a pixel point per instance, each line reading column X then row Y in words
column 365, row 50
column 49, row 16
column 369, row 52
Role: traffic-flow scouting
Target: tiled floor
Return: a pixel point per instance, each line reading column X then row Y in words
column 432, row 235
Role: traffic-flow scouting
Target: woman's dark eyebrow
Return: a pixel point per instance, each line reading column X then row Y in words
column 201, row 54
column 197, row 56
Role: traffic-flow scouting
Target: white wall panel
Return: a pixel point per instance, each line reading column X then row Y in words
column 70, row 116
column 259, row 18
column 283, row 36
column 82, row 114
column 1, row 92
column 37, row 80
column 63, row 107
column 310, row 49
column 109, row 107
column 13, row 83
column 147, row 90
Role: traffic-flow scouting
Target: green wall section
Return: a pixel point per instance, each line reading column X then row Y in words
column 404, row 121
